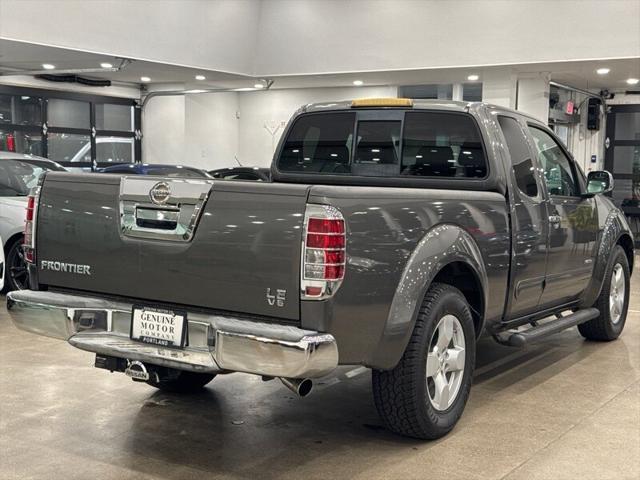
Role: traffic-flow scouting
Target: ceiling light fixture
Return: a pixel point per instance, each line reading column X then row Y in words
column 603, row 71
column 200, row 77
column 358, row 83
column 258, row 85
column 48, row 66
column 106, row 65
column 632, row 81
column 145, row 79
column 473, row 77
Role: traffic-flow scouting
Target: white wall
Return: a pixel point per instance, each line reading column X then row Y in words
column 499, row 87
column 275, row 107
column 308, row 36
column 196, row 130
column 585, row 143
column 312, row 36
column 163, row 129
column 211, row 139
column 533, row 95
column 624, row 99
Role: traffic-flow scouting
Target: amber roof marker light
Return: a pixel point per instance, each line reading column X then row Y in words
column 381, row 102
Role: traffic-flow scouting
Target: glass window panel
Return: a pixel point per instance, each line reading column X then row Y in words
column 21, row 142
column 521, row 161
column 623, row 192
column 472, row 92
column 114, row 117
column 435, row 91
column 319, row 144
column 20, row 110
column 114, row 150
column 627, row 126
column 442, row 145
column 377, row 148
column 626, row 160
column 66, row 147
column 68, row 113
column 559, row 175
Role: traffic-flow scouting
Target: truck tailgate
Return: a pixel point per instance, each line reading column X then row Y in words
column 218, row 245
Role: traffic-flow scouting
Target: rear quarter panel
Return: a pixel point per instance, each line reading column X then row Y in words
column 384, row 227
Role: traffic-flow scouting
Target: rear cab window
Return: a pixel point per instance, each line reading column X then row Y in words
column 417, row 143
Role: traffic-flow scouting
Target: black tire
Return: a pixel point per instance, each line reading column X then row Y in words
column 16, row 276
column 401, row 395
column 604, row 328
column 183, row 382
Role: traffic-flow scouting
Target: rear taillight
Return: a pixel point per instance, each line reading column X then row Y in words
column 29, row 244
column 323, row 252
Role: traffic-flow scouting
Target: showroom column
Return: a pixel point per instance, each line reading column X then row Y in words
column 499, row 87
column 533, row 95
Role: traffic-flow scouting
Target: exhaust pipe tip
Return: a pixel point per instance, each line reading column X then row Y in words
column 300, row 386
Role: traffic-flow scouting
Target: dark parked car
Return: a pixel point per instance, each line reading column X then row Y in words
column 393, row 235
column 242, row 173
column 159, row 170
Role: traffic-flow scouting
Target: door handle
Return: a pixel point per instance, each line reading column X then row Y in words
column 555, row 218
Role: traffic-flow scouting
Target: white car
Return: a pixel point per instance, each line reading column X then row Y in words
column 18, row 174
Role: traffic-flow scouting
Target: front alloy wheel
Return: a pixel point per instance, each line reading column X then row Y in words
column 612, row 302
column 617, row 293
column 445, row 363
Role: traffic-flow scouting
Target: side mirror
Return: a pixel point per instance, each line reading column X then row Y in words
column 598, row 182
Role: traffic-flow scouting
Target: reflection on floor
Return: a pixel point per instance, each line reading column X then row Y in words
column 561, row 409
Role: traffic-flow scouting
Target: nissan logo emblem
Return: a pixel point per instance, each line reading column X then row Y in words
column 160, row 193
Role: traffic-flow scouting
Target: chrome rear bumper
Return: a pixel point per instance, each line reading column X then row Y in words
column 216, row 343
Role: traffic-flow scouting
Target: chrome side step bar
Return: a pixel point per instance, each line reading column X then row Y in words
column 522, row 338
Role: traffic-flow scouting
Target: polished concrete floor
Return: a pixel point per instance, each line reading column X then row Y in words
column 562, row 409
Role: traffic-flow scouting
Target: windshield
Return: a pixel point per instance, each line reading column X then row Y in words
column 18, row 177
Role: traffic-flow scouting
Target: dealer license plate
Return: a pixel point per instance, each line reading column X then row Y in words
column 159, row 326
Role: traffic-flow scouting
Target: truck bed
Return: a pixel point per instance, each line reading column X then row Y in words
column 247, row 238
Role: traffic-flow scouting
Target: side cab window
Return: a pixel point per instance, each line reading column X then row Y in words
column 559, row 171
column 521, row 162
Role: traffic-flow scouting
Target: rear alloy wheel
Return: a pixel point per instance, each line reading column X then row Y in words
column 612, row 303
column 17, row 276
column 425, row 394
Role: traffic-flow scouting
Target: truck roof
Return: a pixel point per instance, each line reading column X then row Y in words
column 418, row 104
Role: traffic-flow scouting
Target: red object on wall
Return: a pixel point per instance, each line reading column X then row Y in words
column 11, row 143
column 569, row 107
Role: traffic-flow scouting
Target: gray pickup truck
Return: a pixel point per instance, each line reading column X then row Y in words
column 394, row 233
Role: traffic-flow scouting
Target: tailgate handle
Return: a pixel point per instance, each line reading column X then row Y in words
column 157, row 219
column 174, row 217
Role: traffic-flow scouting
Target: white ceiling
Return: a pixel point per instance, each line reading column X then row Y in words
column 20, row 56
